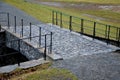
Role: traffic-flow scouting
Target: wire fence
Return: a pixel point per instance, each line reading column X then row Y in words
column 110, row 34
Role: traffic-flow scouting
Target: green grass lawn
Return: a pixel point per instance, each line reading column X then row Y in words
column 48, row 74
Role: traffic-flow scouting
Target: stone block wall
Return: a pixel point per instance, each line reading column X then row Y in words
column 20, row 45
column 2, row 39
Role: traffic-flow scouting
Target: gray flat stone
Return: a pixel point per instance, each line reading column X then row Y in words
column 7, row 69
column 23, row 65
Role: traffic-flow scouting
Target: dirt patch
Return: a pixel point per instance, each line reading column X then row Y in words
column 110, row 7
column 83, row 6
column 95, row 17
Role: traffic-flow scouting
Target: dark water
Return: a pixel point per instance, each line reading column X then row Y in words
column 11, row 59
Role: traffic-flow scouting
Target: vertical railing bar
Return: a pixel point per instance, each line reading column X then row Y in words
column 108, row 34
column 8, row 17
column 56, row 19
column 61, row 20
column 106, row 31
column 15, row 23
column 22, row 26
column 117, row 33
column 119, row 38
column 39, row 36
column 94, row 30
column 52, row 17
column 51, row 43
column 0, row 27
column 45, row 48
column 30, row 31
column 19, row 45
column 82, row 31
column 70, row 23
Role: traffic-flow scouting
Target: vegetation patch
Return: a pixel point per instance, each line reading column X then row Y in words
column 18, row 71
column 48, row 74
column 40, row 72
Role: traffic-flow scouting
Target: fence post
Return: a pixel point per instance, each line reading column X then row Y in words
column 61, row 20
column 108, row 34
column 45, row 49
column 52, row 17
column 15, row 23
column 22, row 26
column 56, row 19
column 30, row 31
column 94, row 30
column 51, row 43
column 70, row 23
column 82, row 30
column 8, row 17
column 39, row 36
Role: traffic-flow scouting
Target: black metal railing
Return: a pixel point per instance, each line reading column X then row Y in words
column 5, row 19
column 108, row 33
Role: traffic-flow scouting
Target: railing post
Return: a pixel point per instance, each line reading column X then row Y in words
column 30, row 31
column 45, row 48
column 108, row 34
column 19, row 45
column 52, row 17
column 8, row 17
column 22, row 26
column 119, row 38
column 56, row 19
column 94, row 30
column 51, row 43
column 70, row 23
column 0, row 27
column 61, row 20
column 15, row 23
column 106, row 31
column 18, row 60
column 82, row 30
column 117, row 30
column 39, row 36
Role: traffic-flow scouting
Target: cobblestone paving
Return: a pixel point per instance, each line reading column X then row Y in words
column 65, row 43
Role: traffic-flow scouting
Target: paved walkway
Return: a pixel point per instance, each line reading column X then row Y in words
column 104, row 66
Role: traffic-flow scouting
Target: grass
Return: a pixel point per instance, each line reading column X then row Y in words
column 40, row 72
column 44, row 14
column 48, row 74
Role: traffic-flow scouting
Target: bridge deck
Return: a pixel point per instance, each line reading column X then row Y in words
column 65, row 43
